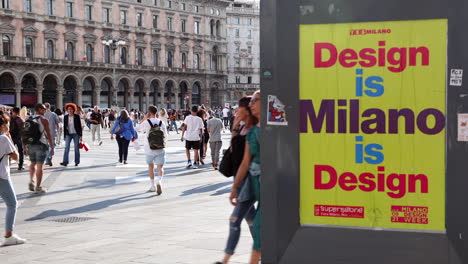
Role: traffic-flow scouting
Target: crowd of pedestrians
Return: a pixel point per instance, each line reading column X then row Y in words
column 37, row 133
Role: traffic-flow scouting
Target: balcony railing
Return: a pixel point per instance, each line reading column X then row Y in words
column 243, row 86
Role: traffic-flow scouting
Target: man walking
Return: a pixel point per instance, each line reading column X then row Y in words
column 54, row 127
column 156, row 135
column 226, row 116
column 96, row 122
column 37, row 141
column 214, row 127
column 16, row 127
column 193, row 125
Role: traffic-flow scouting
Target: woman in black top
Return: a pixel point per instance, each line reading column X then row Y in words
column 72, row 130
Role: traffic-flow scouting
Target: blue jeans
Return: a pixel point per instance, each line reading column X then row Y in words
column 76, row 141
column 8, row 195
column 50, row 156
column 173, row 124
column 242, row 210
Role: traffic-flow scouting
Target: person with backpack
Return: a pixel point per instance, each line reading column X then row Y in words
column 72, row 129
column 156, row 137
column 7, row 192
column 124, row 132
column 16, row 128
column 194, row 126
column 37, row 141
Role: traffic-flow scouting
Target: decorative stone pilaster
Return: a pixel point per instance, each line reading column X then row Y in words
column 39, row 90
column 79, row 97
column 177, row 100
column 132, row 98
column 59, row 97
column 147, row 100
column 18, row 95
column 97, row 96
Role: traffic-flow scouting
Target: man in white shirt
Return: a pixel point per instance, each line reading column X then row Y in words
column 193, row 131
column 226, row 116
column 153, row 156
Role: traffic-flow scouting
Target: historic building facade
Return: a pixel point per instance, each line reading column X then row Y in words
column 125, row 53
column 243, row 32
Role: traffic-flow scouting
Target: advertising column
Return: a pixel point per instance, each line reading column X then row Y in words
column 372, row 113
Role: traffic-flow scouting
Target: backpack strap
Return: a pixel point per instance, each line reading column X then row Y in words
column 160, row 122
column 151, row 124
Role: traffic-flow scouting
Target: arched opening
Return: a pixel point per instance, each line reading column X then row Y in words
column 28, row 95
column 70, row 54
column 50, row 49
column 7, row 89
column 218, row 28
column 122, row 93
column 69, row 90
column 196, row 94
column 169, row 94
column 106, row 95
column 88, row 95
column 215, row 102
column 212, row 27
column 139, row 95
column 155, row 92
column 89, row 53
column 29, row 44
column 183, row 94
column 6, row 44
column 49, row 95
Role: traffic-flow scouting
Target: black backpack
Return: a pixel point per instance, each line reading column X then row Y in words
column 31, row 131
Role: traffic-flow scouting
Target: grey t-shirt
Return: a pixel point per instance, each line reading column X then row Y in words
column 215, row 125
column 53, row 122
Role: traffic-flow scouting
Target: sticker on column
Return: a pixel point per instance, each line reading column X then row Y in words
column 276, row 112
column 456, row 77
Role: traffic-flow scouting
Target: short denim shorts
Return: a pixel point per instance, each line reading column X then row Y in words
column 37, row 153
column 158, row 159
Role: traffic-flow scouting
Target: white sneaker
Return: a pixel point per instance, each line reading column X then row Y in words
column 152, row 189
column 13, row 240
column 195, row 166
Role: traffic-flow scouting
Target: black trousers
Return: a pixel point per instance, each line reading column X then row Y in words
column 123, row 147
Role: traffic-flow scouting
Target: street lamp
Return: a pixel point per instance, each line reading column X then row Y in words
column 113, row 44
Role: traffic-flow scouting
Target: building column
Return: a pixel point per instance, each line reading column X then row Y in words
column 18, row 95
column 147, row 99
column 59, row 102
column 114, row 91
column 97, row 96
column 39, row 89
column 131, row 90
column 177, row 100
column 79, row 97
column 233, row 100
column 161, row 98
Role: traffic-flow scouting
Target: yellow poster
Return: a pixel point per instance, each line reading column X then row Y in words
column 372, row 124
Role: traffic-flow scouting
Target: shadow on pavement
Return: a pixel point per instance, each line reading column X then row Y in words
column 205, row 188
column 90, row 207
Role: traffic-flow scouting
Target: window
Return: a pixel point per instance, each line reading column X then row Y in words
column 237, row 63
column 237, row 32
column 50, row 7
column 249, row 49
column 155, row 58
column 138, row 1
column 182, row 6
column 123, row 55
column 155, row 2
column 249, row 34
column 106, row 15
column 249, row 79
column 168, row 3
column 140, row 56
column 70, row 53
column 197, row 9
column 155, row 21
column 249, row 21
column 196, row 29
column 106, row 54
column 237, row 79
column 183, row 24
column 169, row 59
column 140, row 19
column 184, row 60
column 5, row 4
column 29, row 48
column 123, row 17
column 89, row 53
column 237, row 49
column 28, row 6
column 249, row 62
column 196, row 62
column 6, row 43
column 89, row 12
column 50, row 49
column 169, row 23
column 236, row 20
column 69, row 9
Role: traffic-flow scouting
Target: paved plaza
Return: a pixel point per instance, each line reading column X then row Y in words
column 101, row 212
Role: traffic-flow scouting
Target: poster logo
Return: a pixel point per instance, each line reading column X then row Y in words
column 372, row 124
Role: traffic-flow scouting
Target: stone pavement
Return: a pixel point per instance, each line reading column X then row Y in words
column 101, row 212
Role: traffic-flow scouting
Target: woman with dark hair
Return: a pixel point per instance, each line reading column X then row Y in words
column 7, row 192
column 72, row 130
column 244, row 209
column 124, row 131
